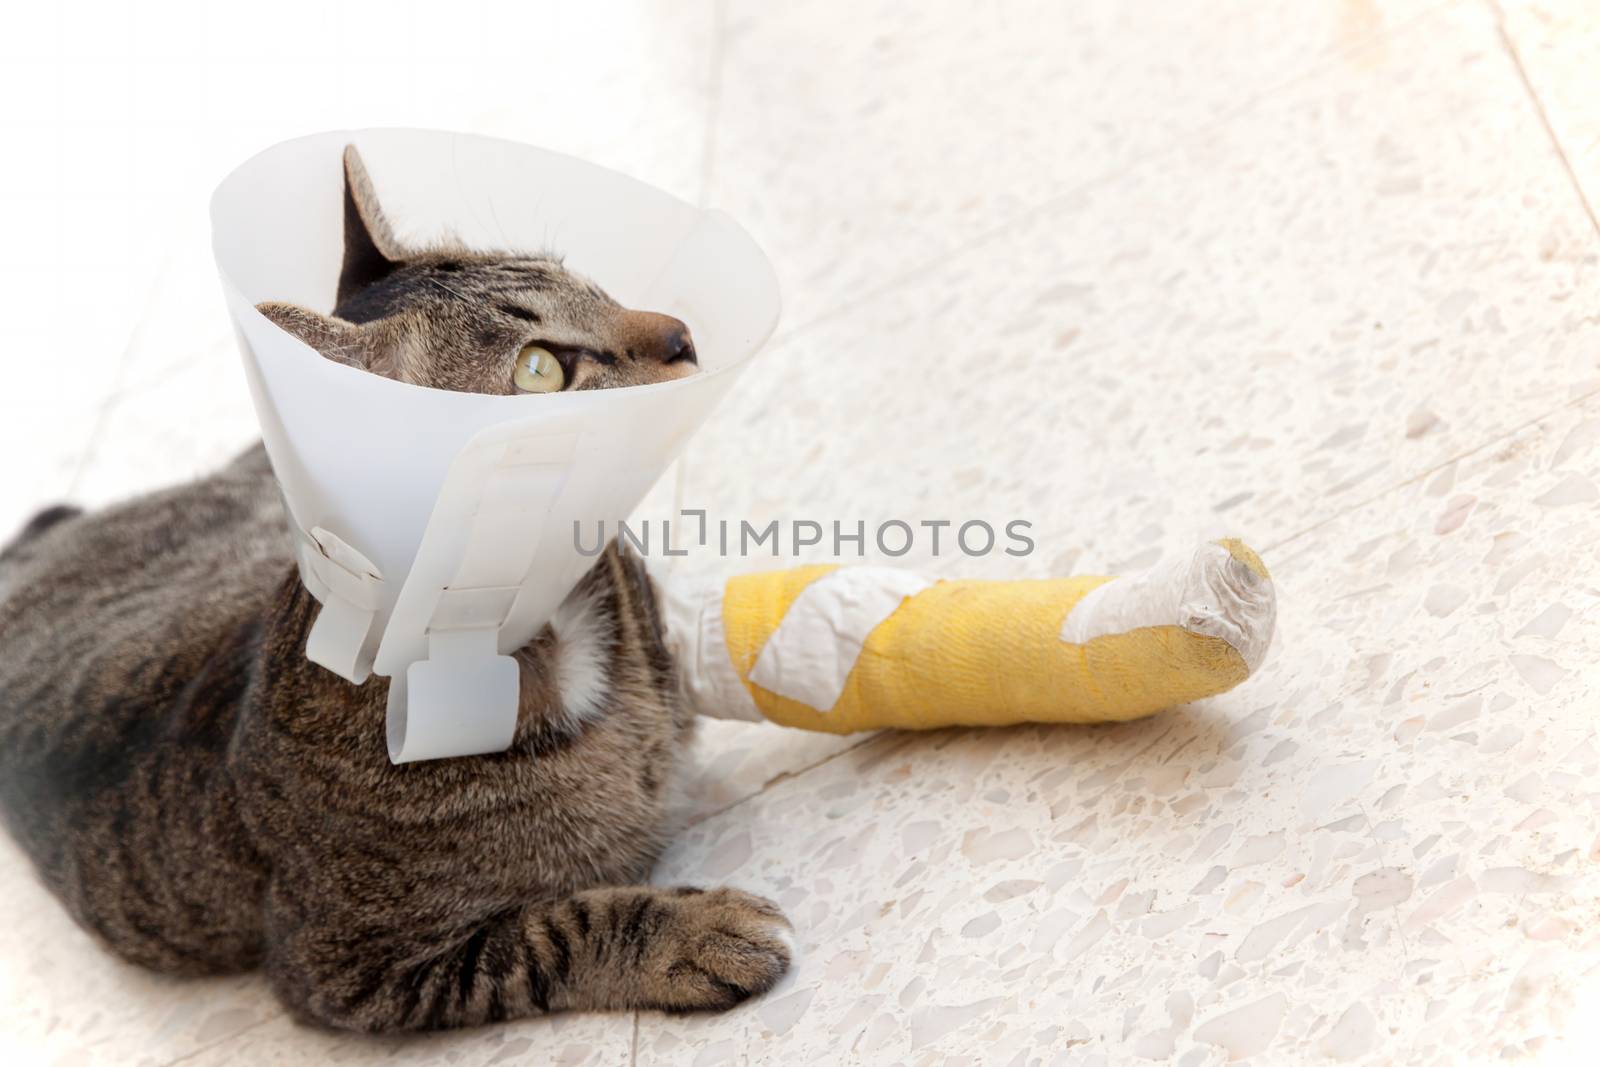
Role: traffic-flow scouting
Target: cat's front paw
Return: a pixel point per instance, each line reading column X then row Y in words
column 720, row 948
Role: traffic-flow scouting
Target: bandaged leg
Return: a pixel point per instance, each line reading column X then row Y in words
column 842, row 649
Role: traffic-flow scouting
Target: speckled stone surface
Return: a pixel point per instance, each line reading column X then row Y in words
column 1321, row 274
column 862, row 141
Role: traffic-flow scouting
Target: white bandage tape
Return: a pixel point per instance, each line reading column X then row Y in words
column 810, row 655
column 691, row 616
column 1209, row 592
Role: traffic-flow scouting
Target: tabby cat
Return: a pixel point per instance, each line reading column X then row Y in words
column 203, row 799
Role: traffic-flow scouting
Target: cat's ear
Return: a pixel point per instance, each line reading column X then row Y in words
column 370, row 250
column 340, row 341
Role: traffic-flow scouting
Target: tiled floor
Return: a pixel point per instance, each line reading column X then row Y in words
column 1321, row 273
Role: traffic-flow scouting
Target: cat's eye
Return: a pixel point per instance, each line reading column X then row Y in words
column 538, row 371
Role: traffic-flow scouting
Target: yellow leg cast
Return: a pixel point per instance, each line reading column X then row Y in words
column 860, row 648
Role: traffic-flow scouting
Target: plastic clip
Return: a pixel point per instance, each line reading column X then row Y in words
column 350, row 587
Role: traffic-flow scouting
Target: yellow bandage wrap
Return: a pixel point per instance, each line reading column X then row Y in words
column 982, row 653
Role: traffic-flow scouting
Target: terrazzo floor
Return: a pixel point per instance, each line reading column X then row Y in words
column 1323, row 274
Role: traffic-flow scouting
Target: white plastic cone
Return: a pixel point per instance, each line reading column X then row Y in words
column 437, row 528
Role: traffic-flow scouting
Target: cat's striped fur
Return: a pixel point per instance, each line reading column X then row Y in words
column 203, row 799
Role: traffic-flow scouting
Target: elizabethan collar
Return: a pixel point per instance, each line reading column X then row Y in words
column 437, row 529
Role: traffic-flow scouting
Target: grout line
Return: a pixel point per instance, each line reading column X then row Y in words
column 784, row 776
column 633, row 1054
column 1538, row 106
column 1027, row 215
column 124, row 392
column 102, row 413
column 192, row 1053
column 708, row 151
column 1428, row 472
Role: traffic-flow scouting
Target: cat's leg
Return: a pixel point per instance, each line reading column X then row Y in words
column 614, row 949
column 841, row 649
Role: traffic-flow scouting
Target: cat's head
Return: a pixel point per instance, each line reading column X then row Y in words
column 476, row 321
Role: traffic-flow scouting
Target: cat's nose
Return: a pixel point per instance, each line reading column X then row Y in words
column 656, row 338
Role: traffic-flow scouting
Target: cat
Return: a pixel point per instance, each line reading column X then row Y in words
column 204, row 800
